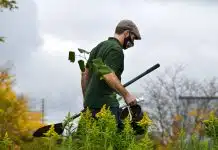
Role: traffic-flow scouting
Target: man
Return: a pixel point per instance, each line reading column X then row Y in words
column 98, row 92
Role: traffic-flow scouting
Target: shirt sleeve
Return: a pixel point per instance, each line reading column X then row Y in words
column 114, row 59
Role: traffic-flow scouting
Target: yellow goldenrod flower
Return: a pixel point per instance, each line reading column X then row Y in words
column 145, row 120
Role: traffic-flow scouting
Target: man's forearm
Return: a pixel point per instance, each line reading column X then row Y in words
column 84, row 80
column 83, row 85
column 115, row 83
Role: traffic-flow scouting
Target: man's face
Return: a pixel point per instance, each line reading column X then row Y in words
column 128, row 39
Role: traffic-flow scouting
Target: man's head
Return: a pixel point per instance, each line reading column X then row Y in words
column 126, row 32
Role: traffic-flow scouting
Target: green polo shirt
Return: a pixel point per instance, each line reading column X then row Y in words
column 98, row 92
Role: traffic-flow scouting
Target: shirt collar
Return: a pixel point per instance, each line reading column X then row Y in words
column 113, row 38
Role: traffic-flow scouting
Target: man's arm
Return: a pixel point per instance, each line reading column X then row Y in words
column 115, row 83
column 115, row 60
column 84, row 80
column 85, row 74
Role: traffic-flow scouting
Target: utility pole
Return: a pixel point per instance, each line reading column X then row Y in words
column 43, row 110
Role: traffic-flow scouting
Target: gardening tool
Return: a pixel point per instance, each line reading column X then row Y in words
column 59, row 127
column 135, row 114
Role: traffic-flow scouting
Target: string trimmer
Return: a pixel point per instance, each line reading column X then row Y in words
column 59, row 127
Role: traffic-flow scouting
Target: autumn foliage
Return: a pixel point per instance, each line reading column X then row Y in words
column 16, row 120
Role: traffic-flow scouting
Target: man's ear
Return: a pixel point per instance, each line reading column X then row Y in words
column 126, row 33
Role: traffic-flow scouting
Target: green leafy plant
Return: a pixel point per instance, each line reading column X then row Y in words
column 2, row 39
column 100, row 68
column 83, row 51
column 81, row 65
column 101, row 133
column 192, row 142
column 211, row 126
column 68, row 125
column 51, row 138
column 71, row 56
column 144, row 143
column 6, row 142
column 8, row 4
column 96, row 65
column 82, row 58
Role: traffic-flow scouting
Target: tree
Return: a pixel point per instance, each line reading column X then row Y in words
column 7, row 4
column 162, row 95
column 14, row 113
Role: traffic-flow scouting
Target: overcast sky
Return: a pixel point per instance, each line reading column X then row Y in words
column 40, row 34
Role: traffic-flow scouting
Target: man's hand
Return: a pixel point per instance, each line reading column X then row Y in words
column 130, row 100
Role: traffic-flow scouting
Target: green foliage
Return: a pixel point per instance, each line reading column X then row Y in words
column 193, row 143
column 68, row 125
column 8, row 4
column 83, row 51
column 15, row 117
column 49, row 142
column 92, row 134
column 5, row 142
column 81, row 65
column 71, row 56
column 102, row 134
column 211, row 126
column 51, row 137
column 96, row 134
column 2, row 39
column 97, row 65
column 144, row 143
